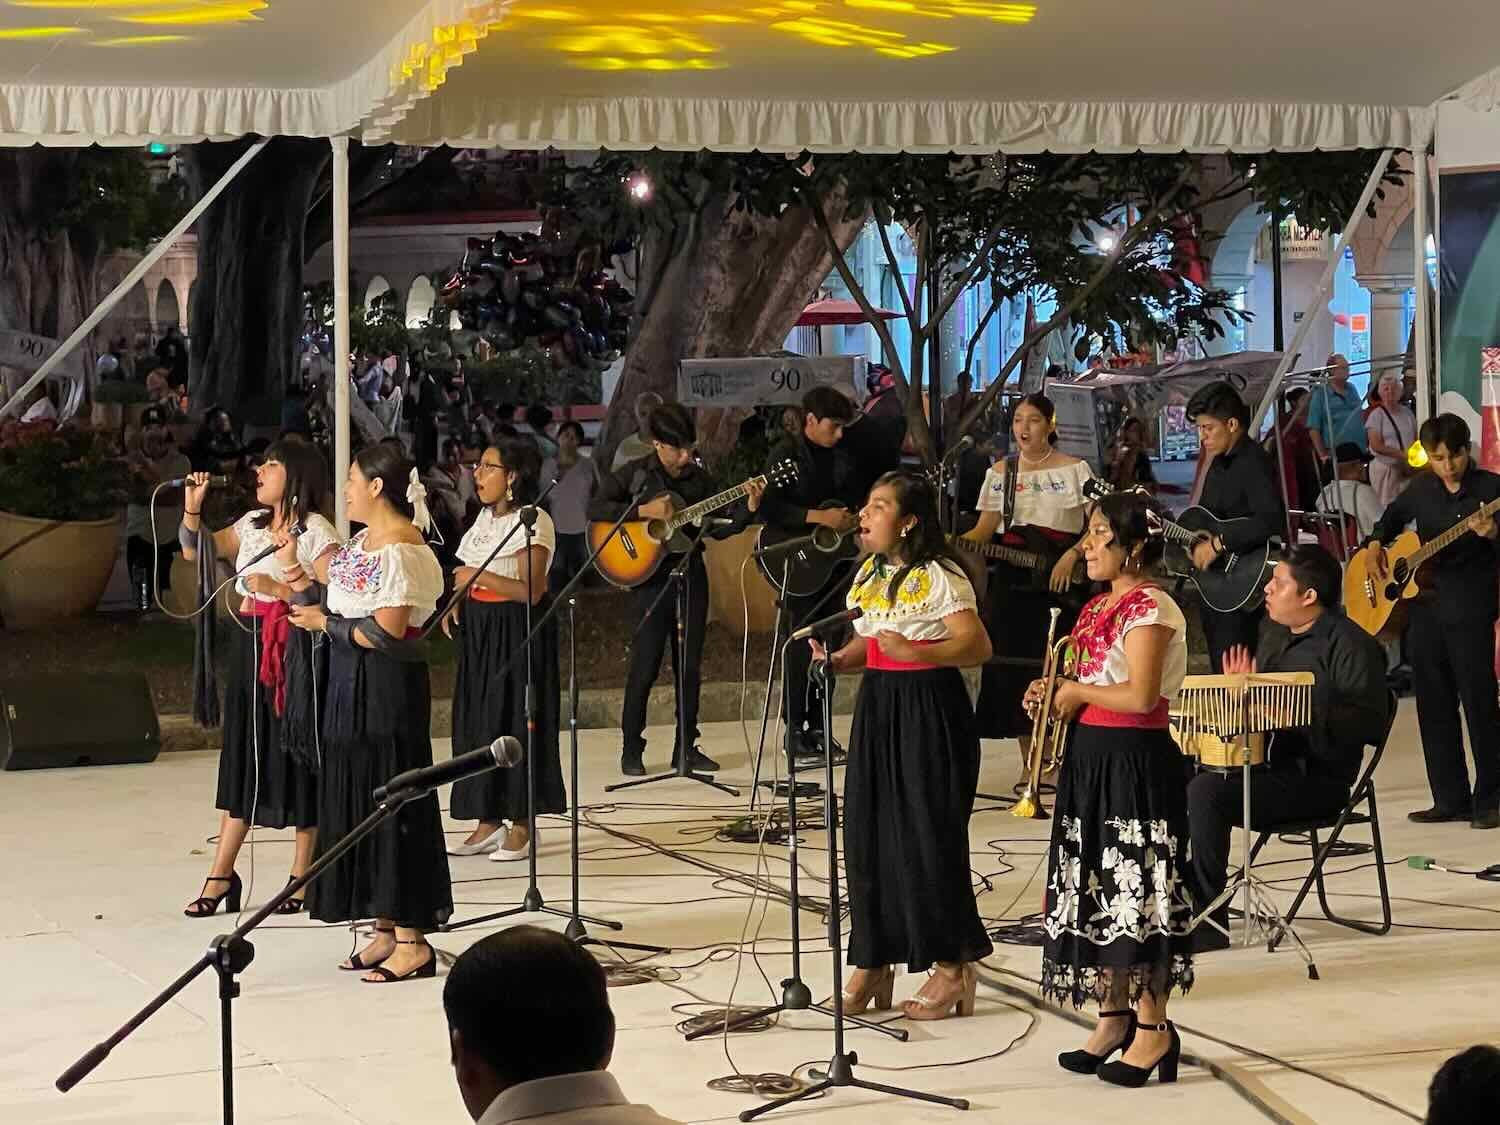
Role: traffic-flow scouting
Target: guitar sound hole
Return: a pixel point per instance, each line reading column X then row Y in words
column 1392, row 592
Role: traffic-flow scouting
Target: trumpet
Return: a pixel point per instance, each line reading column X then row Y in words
column 1049, row 733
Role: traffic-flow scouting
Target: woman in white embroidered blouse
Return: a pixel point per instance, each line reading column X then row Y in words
column 382, row 584
column 1046, row 518
column 913, row 759
column 262, row 780
column 492, row 623
column 1117, row 910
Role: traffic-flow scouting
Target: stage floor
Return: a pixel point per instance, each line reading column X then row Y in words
column 99, row 862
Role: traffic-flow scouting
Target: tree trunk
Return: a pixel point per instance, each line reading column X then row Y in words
column 719, row 282
column 47, row 276
column 246, row 314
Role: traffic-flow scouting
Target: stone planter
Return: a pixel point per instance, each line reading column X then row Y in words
column 61, row 570
column 723, row 559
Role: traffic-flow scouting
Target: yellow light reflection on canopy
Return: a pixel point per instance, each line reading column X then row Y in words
column 228, row 11
column 623, row 39
column 140, row 40
column 40, row 32
column 91, row 5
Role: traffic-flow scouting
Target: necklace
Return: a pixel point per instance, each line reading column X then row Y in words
column 1035, row 464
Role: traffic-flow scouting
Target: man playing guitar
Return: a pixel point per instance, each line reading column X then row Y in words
column 827, row 475
column 1240, row 485
column 671, row 467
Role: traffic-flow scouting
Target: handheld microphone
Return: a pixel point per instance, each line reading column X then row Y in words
column 823, row 625
column 180, row 482
column 504, row 752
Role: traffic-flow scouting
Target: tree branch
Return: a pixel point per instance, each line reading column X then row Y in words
column 895, row 265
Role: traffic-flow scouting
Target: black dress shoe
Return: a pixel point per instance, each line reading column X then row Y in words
column 631, row 764
column 1436, row 815
column 1086, row 1062
column 698, row 762
column 1486, row 818
column 1123, row 1074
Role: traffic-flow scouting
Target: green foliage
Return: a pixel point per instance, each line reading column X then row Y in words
column 71, row 473
column 110, row 196
column 527, row 374
column 377, row 329
column 1320, row 188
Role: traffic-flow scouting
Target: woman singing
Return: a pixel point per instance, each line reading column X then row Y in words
column 381, row 585
column 913, row 759
column 491, row 626
column 264, row 779
column 1117, row 910
column 1041, row 509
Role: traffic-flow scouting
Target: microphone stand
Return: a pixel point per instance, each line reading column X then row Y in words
column 678, row 581
column 840, row 1071
column 533, row 893
column 230, row 954
column 795, row 995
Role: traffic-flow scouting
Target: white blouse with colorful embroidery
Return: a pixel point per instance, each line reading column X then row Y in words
column 1044, row 497
column 398, row 574
column 319, row 536
column 489, row 529
column 926, row 595
column 1099, row 638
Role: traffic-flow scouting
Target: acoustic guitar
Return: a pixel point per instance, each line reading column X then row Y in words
column 1235, row 580
column 638, row 548
column 1371, row 602
column 808, row 568
column 1036, row 555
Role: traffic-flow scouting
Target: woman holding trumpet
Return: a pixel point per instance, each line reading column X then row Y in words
column 1117, row 910
column 913, row 759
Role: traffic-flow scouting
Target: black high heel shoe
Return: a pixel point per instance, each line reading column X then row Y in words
column 1086, row 1062
column 292, row 905
column 1123, row 1074
column 206, row 906
column 427, row 968
column 354, row 965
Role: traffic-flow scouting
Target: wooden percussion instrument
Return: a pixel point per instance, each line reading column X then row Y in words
column 1222, row 720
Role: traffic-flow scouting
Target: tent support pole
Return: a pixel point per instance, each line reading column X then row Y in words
column 130, row 281
column 340, row 330
column 1320, row 294
column 1422, row 328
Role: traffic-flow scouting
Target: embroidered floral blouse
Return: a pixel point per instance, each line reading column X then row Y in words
column 489, row 529
column 1051, row 498
column 926, row 595
column 398, row 574
column 1099, row 648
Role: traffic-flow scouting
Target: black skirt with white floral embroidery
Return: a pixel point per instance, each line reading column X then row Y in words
column 1117, row 902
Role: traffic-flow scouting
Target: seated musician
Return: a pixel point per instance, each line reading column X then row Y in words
column 827, row 473
column 1312, row 769
column 671, row 466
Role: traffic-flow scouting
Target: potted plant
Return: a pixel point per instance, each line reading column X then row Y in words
column 62, row 492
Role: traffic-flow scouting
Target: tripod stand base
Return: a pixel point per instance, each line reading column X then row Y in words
column 840, row 1074
column 796, row 997
column 688, row 775
column 1263, row 917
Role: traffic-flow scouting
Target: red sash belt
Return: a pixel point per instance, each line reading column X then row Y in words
column 275, row 631
column 482, row 594
column 1155, row 719
column 877, row 661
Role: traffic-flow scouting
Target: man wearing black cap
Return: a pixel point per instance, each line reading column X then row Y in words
column 672, row 466
column 152, row 459
column 1351, row 495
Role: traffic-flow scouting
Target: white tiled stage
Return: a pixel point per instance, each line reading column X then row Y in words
column 97, row 864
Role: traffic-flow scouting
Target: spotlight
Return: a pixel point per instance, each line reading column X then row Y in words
column 1106, row 242
column 1416, row 456
column 638, row 184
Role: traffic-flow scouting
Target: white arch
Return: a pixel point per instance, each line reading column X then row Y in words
column 168, row 311
column 419, row 301
column 377, row 286
column 1234, row 256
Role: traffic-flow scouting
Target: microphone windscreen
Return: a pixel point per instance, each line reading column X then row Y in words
column 507, row 749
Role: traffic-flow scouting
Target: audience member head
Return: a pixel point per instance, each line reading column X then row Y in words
column 645, row 403
column 1446, row 439
column 292, row 480
column 156, row 439
column 1120, row 538
column 1463, row 1086
column 673, row 436
column 1303, row 586
column 1221, row 416
column 378, row 483
column 538, row 417
column 825, row 413
column 1352, row 460
column 791, row 420
column 1338, row 370
column 158, row 384
column 1389, row 389
column 525, row 1004
column 452, row 457
column 1033, row 423
column 569, row 439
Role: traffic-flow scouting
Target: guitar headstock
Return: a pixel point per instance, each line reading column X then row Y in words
column 1096, row 488
column 782, row 473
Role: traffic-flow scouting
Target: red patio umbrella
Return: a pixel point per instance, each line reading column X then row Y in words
column 835, row 310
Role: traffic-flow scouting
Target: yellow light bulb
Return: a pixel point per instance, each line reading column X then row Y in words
column 1416, row 456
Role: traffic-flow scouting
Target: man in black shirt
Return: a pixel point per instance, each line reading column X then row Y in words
column 671, row 466
column 1310, row 770
column 1452, row 637
column 1240, row 484
column 826, row 472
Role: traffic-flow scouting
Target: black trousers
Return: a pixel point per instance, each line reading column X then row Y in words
column 804, row 697
column 572, row 553
column 656, row 632
column 1453, row 663
column 138, row 560
column 1216, row 807
column 1225, row 630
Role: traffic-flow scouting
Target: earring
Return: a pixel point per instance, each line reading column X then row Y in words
column 905, row 531
column 510, row 492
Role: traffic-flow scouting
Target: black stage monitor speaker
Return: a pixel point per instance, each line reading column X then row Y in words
column 61, row 720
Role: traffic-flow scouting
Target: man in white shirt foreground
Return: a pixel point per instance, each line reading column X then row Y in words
column 532, row 1033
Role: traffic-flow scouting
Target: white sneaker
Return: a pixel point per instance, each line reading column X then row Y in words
column 488, row 844
column 507, row 855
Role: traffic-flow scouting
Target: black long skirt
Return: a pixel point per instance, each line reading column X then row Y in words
column 1117, row 899
column 377, row 724
column 484, row 708
column 1017, row 620
column 908, row 795
column 260, row 781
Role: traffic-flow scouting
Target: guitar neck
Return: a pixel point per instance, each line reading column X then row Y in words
column 712, row 504
column 1176, row 533
column 1449, row 537
column 1013, row 555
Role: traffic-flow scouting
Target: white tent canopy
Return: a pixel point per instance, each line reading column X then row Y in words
column 876, row 75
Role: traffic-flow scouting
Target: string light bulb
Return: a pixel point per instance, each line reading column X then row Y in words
column 1416, row 456
column 638, row 184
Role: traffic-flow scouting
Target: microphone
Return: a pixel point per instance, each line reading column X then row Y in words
column 825, row 624
column 217, row 481
column 504, row 752
column 822, row 538
column 965, row 442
